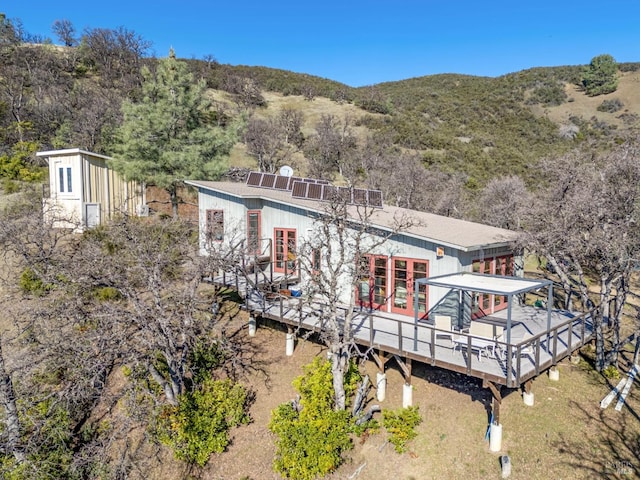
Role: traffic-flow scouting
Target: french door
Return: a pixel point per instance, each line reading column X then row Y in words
column 404, row 273
column 372, row 282
column 285, row 251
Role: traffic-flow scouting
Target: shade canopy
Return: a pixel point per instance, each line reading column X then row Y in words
column 477, row 282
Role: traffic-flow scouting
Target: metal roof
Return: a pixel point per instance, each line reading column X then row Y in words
column 70, row 151
column 445, row 231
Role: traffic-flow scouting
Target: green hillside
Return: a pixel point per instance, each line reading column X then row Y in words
column 459, row 128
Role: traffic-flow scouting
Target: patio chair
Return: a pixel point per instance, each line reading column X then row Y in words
column 442, row 324
column 482, row 337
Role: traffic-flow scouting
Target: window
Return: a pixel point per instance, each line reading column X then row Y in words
column 64, row 180
column 484, row 304
column 253, row 231
column 215, row 226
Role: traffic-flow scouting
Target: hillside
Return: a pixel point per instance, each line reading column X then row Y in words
column 461, row 130
column 478, row 126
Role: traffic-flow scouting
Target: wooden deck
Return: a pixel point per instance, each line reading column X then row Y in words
column 533, row 348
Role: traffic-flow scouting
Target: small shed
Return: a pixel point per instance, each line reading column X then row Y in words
column 84, row 190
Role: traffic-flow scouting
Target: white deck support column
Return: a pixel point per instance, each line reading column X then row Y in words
column 495, row 428
column 381, row 384
column 407, row 395
column 252, row 326
column 527, row 395
column 554, row 374
column 290, row 343
column 495, row 437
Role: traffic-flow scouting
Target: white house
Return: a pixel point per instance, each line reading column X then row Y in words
column 85, row 191
column 275, row 217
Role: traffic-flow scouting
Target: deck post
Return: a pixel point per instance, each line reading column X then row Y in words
column 290, row 342
column 495, row 428
column 407, row 388
column 407, row 395
column 252, row 326
column 527, row 395
column 554, row 374
column 381, row 377
column 381, row 386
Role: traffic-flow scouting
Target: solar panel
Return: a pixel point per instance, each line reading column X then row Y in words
column 299, row 190
column 254, row 179
column 344, row 194
column 315, row 191
column 359, row 196
column 293, row 180
column 329, row 192
column 375, row 198
column 268, row 179
column 282, row 182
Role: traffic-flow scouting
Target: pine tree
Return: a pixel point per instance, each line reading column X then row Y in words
column 167, row 137
column 601, row 76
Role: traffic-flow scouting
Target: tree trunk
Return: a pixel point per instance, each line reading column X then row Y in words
column 566, row 282
column 8, row 399
column 598, row 319
column 614, row 321
column 166, row 386
column 173, row 192
column 339, row 363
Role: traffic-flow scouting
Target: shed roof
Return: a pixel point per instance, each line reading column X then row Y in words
column 70, row 151
column 446, row 231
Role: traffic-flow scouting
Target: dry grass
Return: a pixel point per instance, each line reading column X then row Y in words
column 586, row 107
column 564, row 435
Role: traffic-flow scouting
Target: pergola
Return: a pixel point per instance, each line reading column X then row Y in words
column 489, row 284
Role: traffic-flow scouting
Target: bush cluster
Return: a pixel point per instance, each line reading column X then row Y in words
column 312, row 439
column 400, row 426
column 611, row 106
column 199, row 425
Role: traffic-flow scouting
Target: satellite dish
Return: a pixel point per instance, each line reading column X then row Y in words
column 286, row 171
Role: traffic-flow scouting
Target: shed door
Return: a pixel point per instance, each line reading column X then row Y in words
column 91, row 215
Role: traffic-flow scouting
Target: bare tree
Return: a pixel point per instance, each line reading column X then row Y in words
column 65, row 31
column 274, row 140
column 332, row 147
column 585, row 223
column 503, row 202
column 332, row 259
column 116, row 55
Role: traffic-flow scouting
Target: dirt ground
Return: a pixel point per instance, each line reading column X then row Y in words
column 565, row 435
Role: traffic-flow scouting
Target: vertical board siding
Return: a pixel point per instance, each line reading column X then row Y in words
column 277, row 215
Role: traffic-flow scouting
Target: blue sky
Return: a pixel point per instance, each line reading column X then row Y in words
column 363, row 42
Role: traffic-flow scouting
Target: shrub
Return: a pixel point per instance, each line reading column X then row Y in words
column 611, row 106
column 30, row 282
column 199, row 425
column 400, row 426
column 611, row 372
column 549, row 95
column 10, row 186
column 312, row 440
column 106, row 294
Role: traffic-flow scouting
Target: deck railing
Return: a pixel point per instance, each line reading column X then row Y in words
column 418, row 341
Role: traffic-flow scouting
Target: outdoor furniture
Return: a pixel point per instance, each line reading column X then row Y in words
column 481, row 337
column 442, row 324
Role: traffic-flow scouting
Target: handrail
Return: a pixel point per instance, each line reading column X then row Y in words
column 546, row 341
